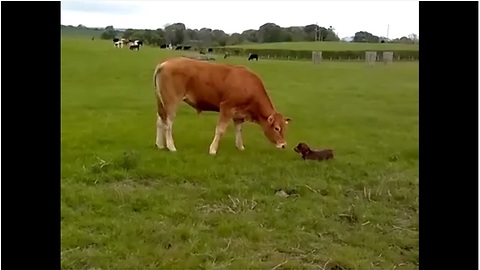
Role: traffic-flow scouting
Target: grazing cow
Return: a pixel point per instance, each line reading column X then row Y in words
column 118, row 44
column 137, row 42
column 116, row 40
column 236, row 92
column 308, row 153
column 253, row 56
column 210, row 50
column 134, row 47
column 227, row 54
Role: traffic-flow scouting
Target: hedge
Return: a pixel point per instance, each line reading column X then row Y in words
column 307, row 54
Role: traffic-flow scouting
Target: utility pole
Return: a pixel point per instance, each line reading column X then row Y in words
column 388, row 30
column 316, row 31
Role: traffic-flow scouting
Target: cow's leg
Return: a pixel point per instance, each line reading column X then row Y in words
column 238, row 123
column 168, row 133
column 170, row 113
column 222, row 124
column 160, row 141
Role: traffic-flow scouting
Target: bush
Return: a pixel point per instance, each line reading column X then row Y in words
column 307, row 55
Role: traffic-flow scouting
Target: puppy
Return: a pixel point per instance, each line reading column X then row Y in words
column 308, row 153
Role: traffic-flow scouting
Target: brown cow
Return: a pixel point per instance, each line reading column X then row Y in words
column 235, row 92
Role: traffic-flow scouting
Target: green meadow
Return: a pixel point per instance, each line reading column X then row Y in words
column 126, row 204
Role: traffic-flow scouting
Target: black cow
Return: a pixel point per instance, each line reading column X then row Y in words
column 163, row 46
column 253, row 56
column 210, row 50
column 178, row 48
column 186, row 48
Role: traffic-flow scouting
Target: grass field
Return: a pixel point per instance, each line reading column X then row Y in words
column 331, row 46
column 126, row 204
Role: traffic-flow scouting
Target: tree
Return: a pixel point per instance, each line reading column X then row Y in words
column 310, row 32
column 250, row 35
column 174, row 33
column 296, row 33
column 413, row 37
column 108, row 35
column 269, row 32
column 234, row 39
column 364, row 36
column 178, row 33
column 219, row 37
column 128, row 33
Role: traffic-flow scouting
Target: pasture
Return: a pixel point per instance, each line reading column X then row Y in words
column 331, row 46
column 126, row 204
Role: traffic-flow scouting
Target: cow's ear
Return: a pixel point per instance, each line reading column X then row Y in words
column 287, row 120
column 270, row 119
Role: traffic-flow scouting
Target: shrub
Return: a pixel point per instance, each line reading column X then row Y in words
column 307, row 54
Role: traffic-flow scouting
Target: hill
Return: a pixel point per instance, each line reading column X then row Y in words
column 330, row 46
column 73, row 31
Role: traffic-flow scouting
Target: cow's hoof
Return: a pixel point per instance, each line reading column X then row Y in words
column 213, row 153
column 172, row 149
column 241, row 148
column 160, row 147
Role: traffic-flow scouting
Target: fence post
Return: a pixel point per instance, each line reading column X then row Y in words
column 316, row 57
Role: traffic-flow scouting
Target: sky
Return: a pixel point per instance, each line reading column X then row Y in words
column 399, row 18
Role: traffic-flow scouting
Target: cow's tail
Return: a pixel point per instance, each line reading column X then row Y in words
column 157, row 85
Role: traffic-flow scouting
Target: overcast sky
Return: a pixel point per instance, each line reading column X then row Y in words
column 347, row 17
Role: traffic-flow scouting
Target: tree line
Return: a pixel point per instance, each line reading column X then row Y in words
column 179, row 34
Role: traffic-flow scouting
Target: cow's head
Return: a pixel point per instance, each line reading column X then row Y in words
column 274, row 129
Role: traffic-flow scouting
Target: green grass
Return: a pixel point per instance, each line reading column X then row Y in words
column 126, row 204
column 330, row 46
column 77, row 32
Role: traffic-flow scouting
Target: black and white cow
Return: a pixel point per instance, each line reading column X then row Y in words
column 134, row 47
column 253, row 56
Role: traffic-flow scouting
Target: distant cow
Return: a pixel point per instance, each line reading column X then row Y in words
column 178, row 48
column 116, row 40
column 134, row 47
column 210, row 50
column 186, row 48
column 236, row 92
column 137, row 42
column 163, row 46
column 227, row 54
column 118, row 44
column 253, row 56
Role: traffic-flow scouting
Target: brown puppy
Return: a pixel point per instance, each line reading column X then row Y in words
column 308, row 153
